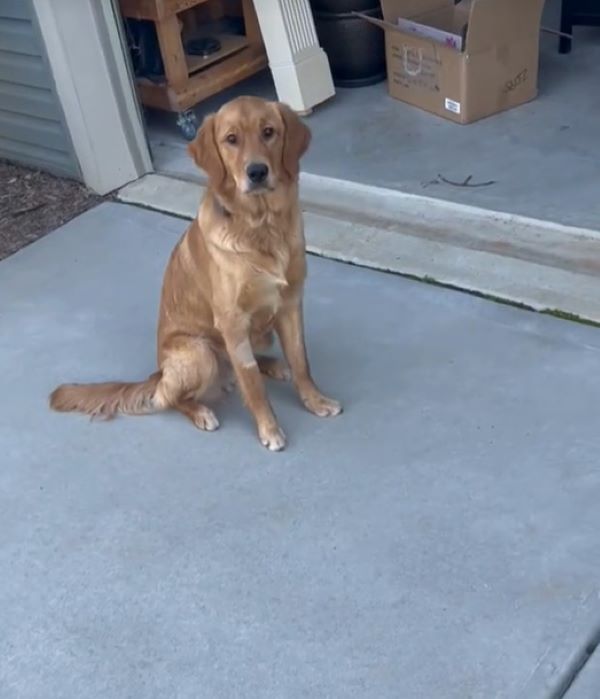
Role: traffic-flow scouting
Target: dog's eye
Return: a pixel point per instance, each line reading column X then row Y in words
column 268, row 132
column 231, row 139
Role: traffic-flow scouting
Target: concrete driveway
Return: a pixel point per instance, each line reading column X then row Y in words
column 439, row 540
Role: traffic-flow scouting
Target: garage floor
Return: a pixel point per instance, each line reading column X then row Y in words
column 440, row 539
column 542, row 157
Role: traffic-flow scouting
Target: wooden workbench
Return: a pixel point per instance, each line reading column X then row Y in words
column 190, row 79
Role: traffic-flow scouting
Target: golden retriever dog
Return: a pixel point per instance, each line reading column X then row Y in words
column 234, row 278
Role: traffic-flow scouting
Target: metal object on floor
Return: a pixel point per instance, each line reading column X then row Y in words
column 187, row 123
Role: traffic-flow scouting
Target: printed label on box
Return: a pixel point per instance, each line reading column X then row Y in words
column 415, row 68
column 452, row 106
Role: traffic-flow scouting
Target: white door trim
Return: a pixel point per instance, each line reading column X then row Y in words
column 95, row 88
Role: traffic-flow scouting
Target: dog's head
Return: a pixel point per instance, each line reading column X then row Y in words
column 252, row 145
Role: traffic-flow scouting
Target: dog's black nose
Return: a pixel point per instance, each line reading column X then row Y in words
column 257, row 172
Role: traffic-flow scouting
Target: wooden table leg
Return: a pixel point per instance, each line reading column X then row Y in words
column 171, row 49
column 251, row 23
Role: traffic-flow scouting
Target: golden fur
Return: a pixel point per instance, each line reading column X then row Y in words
column 234, row 278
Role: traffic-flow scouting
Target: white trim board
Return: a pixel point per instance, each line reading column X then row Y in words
column 94, row 86
column 539, row 264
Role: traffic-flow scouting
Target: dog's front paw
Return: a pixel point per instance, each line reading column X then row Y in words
column 272, row 437
column 320, row 405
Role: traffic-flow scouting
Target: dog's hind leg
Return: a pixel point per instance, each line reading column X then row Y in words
column 269, row 366
column 273, row 368
column 189, row 371
column 201, row 415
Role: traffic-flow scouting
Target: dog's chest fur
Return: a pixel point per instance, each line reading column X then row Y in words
column 255, row 253
column 274, row 242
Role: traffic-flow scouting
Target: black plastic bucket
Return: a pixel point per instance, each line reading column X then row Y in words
column 355, row 47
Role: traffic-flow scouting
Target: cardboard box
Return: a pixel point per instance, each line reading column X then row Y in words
column 464, row 61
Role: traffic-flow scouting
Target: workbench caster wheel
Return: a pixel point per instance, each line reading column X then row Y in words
column 187, row 123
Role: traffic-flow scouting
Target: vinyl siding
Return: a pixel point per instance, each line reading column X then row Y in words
column 32, row 126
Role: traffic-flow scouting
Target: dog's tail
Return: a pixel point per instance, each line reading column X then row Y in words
column 105, row 400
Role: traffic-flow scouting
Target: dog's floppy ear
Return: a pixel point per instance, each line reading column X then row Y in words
column 205, row 152
column 296, row 140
